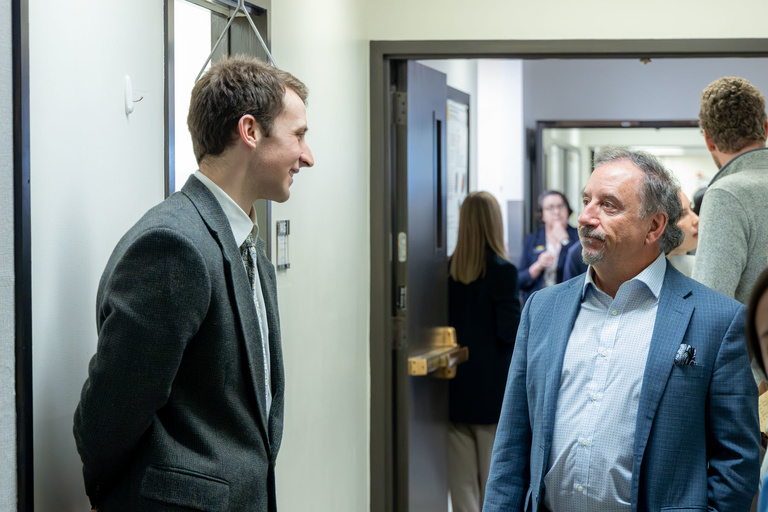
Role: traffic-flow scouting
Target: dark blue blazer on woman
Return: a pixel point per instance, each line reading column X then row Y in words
column 485, row 314
column 535, row 244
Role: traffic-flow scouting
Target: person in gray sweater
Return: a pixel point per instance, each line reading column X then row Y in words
column 733, row 223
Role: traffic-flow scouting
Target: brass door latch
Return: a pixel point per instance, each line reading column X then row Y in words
column 442, row 358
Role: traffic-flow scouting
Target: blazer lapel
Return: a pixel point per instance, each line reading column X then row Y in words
column 567, row 303
column 672, row 318
column 218, row 224
column 269, row 290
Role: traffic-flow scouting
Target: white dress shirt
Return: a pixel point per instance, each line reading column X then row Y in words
column 242, row 225
column 590, row 461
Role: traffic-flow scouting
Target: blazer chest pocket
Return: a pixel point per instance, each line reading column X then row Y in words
column 185, row 488
column 689, row 371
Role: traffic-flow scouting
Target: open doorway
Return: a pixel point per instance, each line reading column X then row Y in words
column 564, row 152
column 572, row 54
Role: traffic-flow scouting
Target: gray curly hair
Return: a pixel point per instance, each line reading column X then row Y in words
column 658, row 194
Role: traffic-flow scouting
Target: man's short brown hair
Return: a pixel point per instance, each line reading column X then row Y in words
column 231, row 89
column 733, row 114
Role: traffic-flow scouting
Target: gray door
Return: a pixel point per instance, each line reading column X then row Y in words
column 420, row 278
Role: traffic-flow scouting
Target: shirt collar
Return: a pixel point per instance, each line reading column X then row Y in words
column 727, row 168
column 242, row 225
column 652, row 276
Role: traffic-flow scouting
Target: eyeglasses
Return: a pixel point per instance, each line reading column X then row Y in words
column 555, row 208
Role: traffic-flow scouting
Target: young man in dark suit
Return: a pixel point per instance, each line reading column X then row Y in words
column 183, row 406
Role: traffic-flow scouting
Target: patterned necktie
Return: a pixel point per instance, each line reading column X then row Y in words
column 248, row 253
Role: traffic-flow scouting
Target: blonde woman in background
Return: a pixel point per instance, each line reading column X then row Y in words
column 485, row 311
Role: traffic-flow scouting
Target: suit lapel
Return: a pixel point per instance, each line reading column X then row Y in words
column 567, row 303
column 269, row 290
column 218, row 224
column 672, row 318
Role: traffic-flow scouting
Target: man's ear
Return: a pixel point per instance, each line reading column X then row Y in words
column 711, row 146
column 656, row 228
column 249, row 131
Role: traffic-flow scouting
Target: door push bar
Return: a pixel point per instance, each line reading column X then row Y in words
column 441, row 360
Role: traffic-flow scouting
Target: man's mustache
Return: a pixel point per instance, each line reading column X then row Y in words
column 590, row 232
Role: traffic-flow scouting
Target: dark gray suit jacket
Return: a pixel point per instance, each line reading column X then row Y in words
column 172, row 416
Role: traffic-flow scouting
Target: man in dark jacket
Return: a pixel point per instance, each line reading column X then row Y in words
column 183, row 406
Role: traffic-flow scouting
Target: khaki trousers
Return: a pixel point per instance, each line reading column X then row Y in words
column 469, row 459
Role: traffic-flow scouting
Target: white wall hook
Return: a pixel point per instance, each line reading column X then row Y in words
column 128, row 95
column 129, row 101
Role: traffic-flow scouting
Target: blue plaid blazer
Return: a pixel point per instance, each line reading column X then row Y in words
column 697, row 438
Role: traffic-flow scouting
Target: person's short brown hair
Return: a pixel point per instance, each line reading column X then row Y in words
column 733, row 114
column 232, row 88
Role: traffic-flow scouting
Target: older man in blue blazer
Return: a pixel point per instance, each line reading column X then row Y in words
column 630, row 387
column 183, row 406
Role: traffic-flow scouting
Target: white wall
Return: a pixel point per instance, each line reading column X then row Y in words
column 692, row 171
column 500, row 132
column 7, row 309
column 94, row 171
column 324, row 296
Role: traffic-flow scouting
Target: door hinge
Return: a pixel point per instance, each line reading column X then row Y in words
column 399, row 333
column 400, row 106
column 401, row 299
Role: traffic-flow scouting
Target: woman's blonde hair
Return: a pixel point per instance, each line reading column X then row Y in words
column 480, row 229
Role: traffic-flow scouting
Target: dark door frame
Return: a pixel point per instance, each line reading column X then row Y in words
column 382, row 53
column 22, row 255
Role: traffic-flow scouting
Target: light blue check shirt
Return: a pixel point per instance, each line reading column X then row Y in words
column 590, row 461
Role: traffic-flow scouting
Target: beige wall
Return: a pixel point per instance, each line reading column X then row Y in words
column 94, row 171
column 564, row 19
